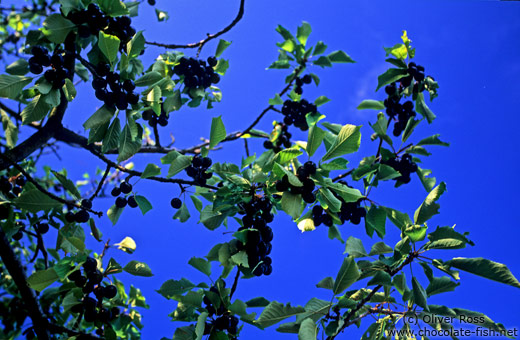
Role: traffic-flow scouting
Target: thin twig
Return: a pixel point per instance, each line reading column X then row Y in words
column 101, row 183
column 209, row 37
column 235, row 283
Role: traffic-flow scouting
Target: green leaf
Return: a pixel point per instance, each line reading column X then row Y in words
column 218, row 132
column 410, row 126
column 287, row 155
column 308, row 330
column 35, row 111
column 114, row 213
column 432, row 140
column 33, row 200
column 173, row 288
column 340, row 57
column 149, row 78
column 391, row 75
column 319, row 48
column 415, row 232
column 314, row 140
column 370, row 104
column 109, row 46
column 128, row 146
column 42, row 279
column 211, row 219
column 429, row 208
column 276, row 312
column 441, row 285
column 419, row 294
column 346, row 142
column 375, row 221
column 321, row 100
column 326, row 283
column 180, row 163
column 135, row 46
column 447, row 238
column 423, row 109
column 380, row 248
column 113, row 8
column 56, row 28
column 222, row 67
column 399, row 219
column 347, row 275
column 19, row 67
column 182, row 214
column 144, row 205
column 101, row 116
column 201, row 324
column 323, row 62
column 112, row 136
column 151, row 170
column 354, row 247
column 221, row 47
column 69, row 90
column 277, row 100
column 201, row 265
column 138, row 268
column 292, row 204
column 67, row 184
column 328, row 200
column 303, row 33
column 486, row 268
column 127, row 245
column 427, row 182
column 257, row 302
column 10, row 130
column 380, row 278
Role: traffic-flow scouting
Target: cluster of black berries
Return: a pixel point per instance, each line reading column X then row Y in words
column 295, row 113
column 257, row 213
column 223, row 321
column 319, row 216
column 284, row 139
column 197, row 73
column 81, row 216
column 57, row 74
column 121, row 201
column 153, row 119
column 122, row 92
column 414, row 72
column 197, row 169
column 395, row 110
column 306, row 79
column 8, row 189
column 351, row 211
column 306, row 190
column 91, row 283
column 92, row 20
column 405, row 165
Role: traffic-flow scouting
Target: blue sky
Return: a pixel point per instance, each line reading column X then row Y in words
column 472, row 50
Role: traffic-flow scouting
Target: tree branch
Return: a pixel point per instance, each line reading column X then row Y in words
column 15, row 268
column 43, row 190
column 210, row 37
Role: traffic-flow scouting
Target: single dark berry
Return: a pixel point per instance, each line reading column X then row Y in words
column 18, row 236
column 90, row 264
column 151, row 2
column 176, row 203
column 306, row 79
column 110, row 291
column 196, row 161
column 121, row 202
column 20, row 180
column 42, row 228
column 74, row 275
column 116, row 192
column 82, row 216
column 125, row 187
column 132, row 203
column 80, row 281
column 70, row 217
column 86, row 203
column 95, row 277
